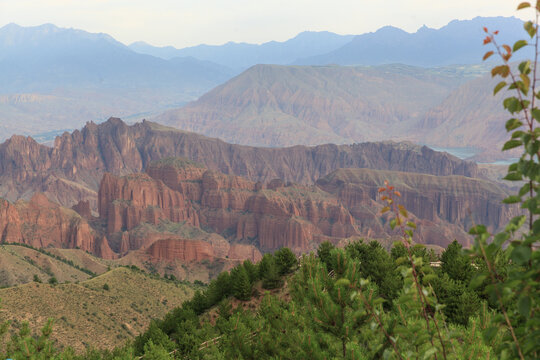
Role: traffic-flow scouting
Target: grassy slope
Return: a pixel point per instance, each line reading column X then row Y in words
column 88, row 315
column 19, row 264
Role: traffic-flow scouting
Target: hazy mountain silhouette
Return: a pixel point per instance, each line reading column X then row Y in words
column 243, row 55
column 459, row 42
column 55, row 78
column 44, row 57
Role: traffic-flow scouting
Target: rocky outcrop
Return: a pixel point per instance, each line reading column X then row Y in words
column 294, row 216
column 243, row 252
column 83, row 208
column 126, row 202
column 72, row 169
column 443, row 205
column 180, row 211
column 181, row 249
column 41, row 223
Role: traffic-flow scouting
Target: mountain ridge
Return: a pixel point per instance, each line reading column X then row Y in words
column 451, row 44
column 71, row 170
column 83, row 76
column 277, row 105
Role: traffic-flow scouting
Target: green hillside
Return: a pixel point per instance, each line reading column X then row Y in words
column 87, row 314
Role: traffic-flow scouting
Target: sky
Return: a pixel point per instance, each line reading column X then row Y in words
column 182, row 23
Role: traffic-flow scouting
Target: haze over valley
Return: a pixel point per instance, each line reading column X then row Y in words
column 56, row 79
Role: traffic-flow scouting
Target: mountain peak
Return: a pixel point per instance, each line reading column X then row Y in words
column 388, row 29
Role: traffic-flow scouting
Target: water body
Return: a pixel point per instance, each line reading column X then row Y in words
column 465, row 153
column 460, row 152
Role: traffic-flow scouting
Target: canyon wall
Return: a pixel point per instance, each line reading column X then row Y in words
column 42, row 223
column 72, row 169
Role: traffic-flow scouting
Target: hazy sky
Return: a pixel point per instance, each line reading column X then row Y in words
column 189, row 22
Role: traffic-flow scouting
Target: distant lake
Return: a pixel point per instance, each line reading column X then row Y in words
column 465, row 153
column 459, row 152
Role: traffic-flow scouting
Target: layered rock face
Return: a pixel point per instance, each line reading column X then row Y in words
column 180, row 211
column 42, row 223
column 72, row 170
column 298, row 217
column 442, row 204
column 126, row 202
column 180, row 249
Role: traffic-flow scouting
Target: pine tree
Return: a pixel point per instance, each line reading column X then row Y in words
column 269, row 272
column 331, row 304
column 323, row 253
column 199, row 302
column 241, row 284
column 456, row 264
column 286, row 260
column 252, row 271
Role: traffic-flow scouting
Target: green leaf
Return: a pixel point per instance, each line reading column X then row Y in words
column 522, row 88
column 536, row 113
column 526, row 81
column 530, row 28
column 513, row 124
column 515, row 223
column 524, row 189
column 517, row 134
column 513, row 176
column 411, row 224
column 500, row 238
column 521, row 254
column 477, row 230
column 498, row 87
column 393, row 223
column 525, row 66
column 536, row 226
column 518, row 45
column 510, row 144
column 524, row 305
column 512, row 104
column 512, row 199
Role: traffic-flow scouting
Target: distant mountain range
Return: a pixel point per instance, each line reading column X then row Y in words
column 53, row 78
column 242, row 55
column 459, row 42
column 44, row 57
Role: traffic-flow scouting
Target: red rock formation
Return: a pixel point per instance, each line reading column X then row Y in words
column 444, row 206
column 181, row 249
column 243, row 252
column 72, row 170
column 295, row 217
column 83, row 209
column 129, row 201
column 42, row 223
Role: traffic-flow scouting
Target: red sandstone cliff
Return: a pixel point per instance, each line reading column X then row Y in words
column 298, row 217
column 444, row 206
column 42, row 223
column 72, row 170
